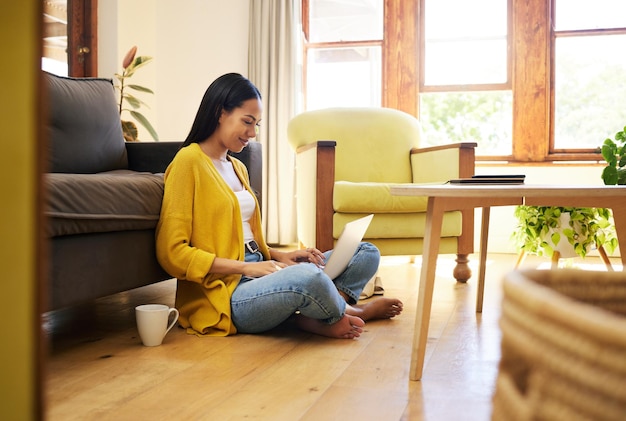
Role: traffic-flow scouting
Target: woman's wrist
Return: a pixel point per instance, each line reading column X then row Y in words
column 243, row 267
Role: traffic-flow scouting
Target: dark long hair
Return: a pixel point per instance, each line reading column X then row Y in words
column 226, row 93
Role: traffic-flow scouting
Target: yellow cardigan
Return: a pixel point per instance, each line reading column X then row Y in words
column 200, row 220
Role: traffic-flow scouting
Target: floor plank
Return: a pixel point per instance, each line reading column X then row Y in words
column 97, row 368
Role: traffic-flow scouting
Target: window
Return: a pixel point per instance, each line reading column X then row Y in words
column 465, row 43
column 343, row 41
column 343, row 77
column 589, row 71
column 465, row 89
column 528, row 81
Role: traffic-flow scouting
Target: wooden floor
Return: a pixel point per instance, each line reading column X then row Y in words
column 98, row 370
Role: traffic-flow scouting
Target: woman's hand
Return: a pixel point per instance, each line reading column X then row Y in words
column 311, row 255
column 250, row 269
column 258, row 269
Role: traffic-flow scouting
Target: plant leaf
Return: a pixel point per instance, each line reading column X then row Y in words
column 136, row 64
column 609, row 175
column 140, row 88
column 555, row 238
column 129, row 129
column 132, row 101
column 145, row 123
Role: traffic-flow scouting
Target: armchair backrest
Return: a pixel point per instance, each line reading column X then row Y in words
column 373, row 144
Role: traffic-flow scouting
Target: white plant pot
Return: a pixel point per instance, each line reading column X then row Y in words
column 565, row 249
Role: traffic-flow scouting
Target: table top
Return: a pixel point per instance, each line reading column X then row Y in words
column 506, row 190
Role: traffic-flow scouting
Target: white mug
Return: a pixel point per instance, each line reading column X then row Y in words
column 152, row 322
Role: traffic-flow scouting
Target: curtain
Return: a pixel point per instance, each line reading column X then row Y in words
column 272, row 68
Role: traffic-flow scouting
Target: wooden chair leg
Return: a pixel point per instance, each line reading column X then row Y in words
column 520, row 258
column 462, row 271
column 605, row 258
column 555, row 259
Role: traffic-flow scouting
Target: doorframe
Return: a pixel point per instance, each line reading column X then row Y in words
column 82, row 38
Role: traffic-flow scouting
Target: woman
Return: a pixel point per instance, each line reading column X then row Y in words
column 209, row 237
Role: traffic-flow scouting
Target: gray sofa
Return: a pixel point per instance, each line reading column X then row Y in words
column 102, row 194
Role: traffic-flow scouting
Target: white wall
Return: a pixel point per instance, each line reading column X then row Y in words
column 192, row 42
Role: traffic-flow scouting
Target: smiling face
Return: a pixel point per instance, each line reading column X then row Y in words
column 238, row 126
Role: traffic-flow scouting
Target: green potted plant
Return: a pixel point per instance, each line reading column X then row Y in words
column 130, row 64
column 542, row 230
column 614, row 153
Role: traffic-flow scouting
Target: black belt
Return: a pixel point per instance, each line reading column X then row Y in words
column 252, row 246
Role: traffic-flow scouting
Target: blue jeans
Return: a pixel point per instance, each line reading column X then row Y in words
column 260, row 304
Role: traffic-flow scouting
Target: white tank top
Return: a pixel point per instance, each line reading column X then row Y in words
column 246, row 204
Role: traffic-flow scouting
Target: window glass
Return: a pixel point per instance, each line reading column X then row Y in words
column 465, row 42
column 54, row 52
column 345, row 20
column 482, row 117
column 343, row 77
column 590, row 93
column 466, row 62
column 583, row 14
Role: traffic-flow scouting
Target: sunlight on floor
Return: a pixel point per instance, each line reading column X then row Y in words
column 447, row 262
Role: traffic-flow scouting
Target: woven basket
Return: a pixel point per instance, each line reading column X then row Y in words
column 563, row 346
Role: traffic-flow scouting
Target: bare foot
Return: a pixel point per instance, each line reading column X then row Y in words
column 382, row 308
column 349, row 327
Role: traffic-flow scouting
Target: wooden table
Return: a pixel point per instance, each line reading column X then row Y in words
column 442, row 198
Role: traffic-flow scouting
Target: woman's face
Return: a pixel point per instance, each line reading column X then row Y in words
column 238, row 126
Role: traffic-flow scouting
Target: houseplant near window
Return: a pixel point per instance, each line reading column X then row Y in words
column 542, row 230
column 130, row 64
column 614, row 153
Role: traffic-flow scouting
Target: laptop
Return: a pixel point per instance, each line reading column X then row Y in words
column 491, row 179
column 346, row 245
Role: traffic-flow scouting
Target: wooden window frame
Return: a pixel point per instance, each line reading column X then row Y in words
column 504, row 86
column 399, row 74
column 530, row 69
column 572, row 154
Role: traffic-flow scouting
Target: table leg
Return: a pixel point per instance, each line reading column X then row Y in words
column 484, row 236
column 434, row 219
column 605, row 259
column 619, row 218
column 556, row 255
column 520, row 258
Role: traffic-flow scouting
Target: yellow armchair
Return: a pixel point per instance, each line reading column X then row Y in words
column 346, row 161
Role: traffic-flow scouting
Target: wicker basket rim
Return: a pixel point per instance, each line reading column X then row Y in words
column 522, row 286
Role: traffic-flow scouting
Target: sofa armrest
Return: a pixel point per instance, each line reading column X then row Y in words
column 151, row 157
column 439, row 164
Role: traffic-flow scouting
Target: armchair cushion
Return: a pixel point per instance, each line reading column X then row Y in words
column 399, row 225
column 351, row 197
column 396, row 216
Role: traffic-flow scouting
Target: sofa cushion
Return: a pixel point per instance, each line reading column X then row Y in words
column 84, row 129
column 110, row 201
